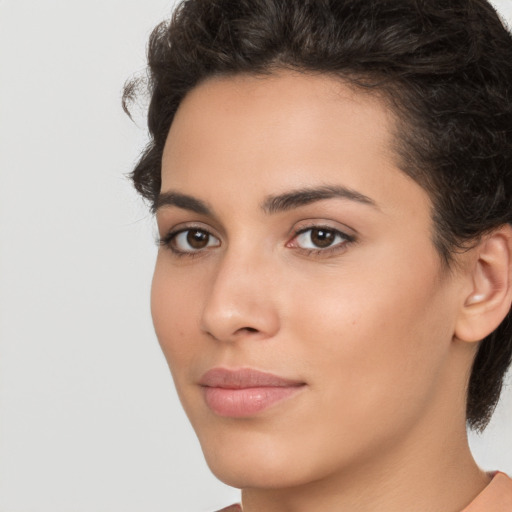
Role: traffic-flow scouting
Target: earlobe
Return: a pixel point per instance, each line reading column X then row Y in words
column 490, row 296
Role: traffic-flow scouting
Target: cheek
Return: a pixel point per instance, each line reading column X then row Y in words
column 380, row 341
column 174, row 312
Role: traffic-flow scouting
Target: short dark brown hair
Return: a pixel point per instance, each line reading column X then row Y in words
column 444, row 67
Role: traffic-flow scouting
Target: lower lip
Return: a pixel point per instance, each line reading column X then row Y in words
column 238, row 403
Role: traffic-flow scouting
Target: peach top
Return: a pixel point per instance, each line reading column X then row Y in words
column 496, row 497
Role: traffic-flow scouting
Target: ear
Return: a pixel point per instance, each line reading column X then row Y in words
column 489, row 299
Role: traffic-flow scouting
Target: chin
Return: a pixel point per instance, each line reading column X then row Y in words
column 258, row 463
column 262, row 473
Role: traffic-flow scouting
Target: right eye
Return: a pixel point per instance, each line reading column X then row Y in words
column 190, row 241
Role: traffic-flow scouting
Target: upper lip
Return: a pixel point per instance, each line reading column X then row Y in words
column 244, row 378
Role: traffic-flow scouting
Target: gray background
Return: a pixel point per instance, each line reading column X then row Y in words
column 89, row 420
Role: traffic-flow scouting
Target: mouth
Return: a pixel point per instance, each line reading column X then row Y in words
column 245, row 392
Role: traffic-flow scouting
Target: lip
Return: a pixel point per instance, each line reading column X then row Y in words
column 245, row 392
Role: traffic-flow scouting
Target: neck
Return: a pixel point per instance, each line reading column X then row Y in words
column 423, row 479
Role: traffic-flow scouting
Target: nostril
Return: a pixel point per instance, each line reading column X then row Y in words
column 249, row 329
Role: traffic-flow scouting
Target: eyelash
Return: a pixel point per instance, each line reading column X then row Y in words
column 167, row 241
column 327, row 251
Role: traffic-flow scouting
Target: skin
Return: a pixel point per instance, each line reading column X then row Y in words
column 369, row 324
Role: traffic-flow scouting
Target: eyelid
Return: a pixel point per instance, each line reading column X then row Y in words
column 347, row 238
column 325, row 228
column 323, row 223
column 183, row 226
column 167, row 238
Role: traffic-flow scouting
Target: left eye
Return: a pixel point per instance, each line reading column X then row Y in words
column 320, row 238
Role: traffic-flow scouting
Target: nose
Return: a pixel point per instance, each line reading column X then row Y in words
column 241, row 303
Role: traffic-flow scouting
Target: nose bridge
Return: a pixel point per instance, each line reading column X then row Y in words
column 240, row 300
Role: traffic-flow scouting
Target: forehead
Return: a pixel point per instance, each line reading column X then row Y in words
column 253, row 136
column 276, row 113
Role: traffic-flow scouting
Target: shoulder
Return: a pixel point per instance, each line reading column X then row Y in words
column 232, row 508
column 496, row 497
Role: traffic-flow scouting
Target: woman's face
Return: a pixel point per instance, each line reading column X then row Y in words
column 292, row 245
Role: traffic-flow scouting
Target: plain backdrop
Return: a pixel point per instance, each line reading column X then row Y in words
column 89, row 420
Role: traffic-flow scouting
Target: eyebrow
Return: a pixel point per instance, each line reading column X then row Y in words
column 305, row 196
column 272, row 204
column 183, row 201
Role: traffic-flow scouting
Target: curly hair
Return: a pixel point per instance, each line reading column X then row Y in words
column 444, row 67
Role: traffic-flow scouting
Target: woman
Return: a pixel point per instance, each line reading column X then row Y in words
column 332, row 182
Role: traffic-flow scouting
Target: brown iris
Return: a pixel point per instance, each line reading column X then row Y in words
column 197, row 239
column 322, row 237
